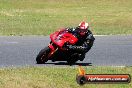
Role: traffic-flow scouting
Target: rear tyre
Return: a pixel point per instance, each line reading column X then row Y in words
column 71, row 62
column 81, row 57
column 42, row 57
column 73, row 59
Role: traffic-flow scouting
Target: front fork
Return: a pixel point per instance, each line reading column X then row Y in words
column 53, row 49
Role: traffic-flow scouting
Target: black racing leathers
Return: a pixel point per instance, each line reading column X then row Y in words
column 84, row 44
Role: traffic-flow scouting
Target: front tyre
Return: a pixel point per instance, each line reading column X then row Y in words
column 42, row 57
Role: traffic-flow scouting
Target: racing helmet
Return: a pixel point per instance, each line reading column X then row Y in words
column 83, row 28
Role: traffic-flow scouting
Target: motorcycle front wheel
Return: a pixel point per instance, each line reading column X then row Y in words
column 42, row 57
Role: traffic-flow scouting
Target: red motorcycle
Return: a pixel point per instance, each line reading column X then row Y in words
column 57, row 49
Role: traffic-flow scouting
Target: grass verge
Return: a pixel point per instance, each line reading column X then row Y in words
column 56, row 77
column 41, row 17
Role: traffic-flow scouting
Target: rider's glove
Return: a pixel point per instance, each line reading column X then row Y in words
column 71, row 30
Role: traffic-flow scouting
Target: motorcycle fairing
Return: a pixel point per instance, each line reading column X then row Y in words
column 61, row 37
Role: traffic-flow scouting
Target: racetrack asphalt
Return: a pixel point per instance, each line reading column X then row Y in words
column 19, row 51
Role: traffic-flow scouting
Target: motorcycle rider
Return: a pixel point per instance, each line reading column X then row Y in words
column 85, row 39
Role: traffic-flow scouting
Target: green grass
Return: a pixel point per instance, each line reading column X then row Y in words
column 41, row 17
column 56, row 77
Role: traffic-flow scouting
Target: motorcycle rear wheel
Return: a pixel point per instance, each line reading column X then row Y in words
column 42, row 57
column 73, row 59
